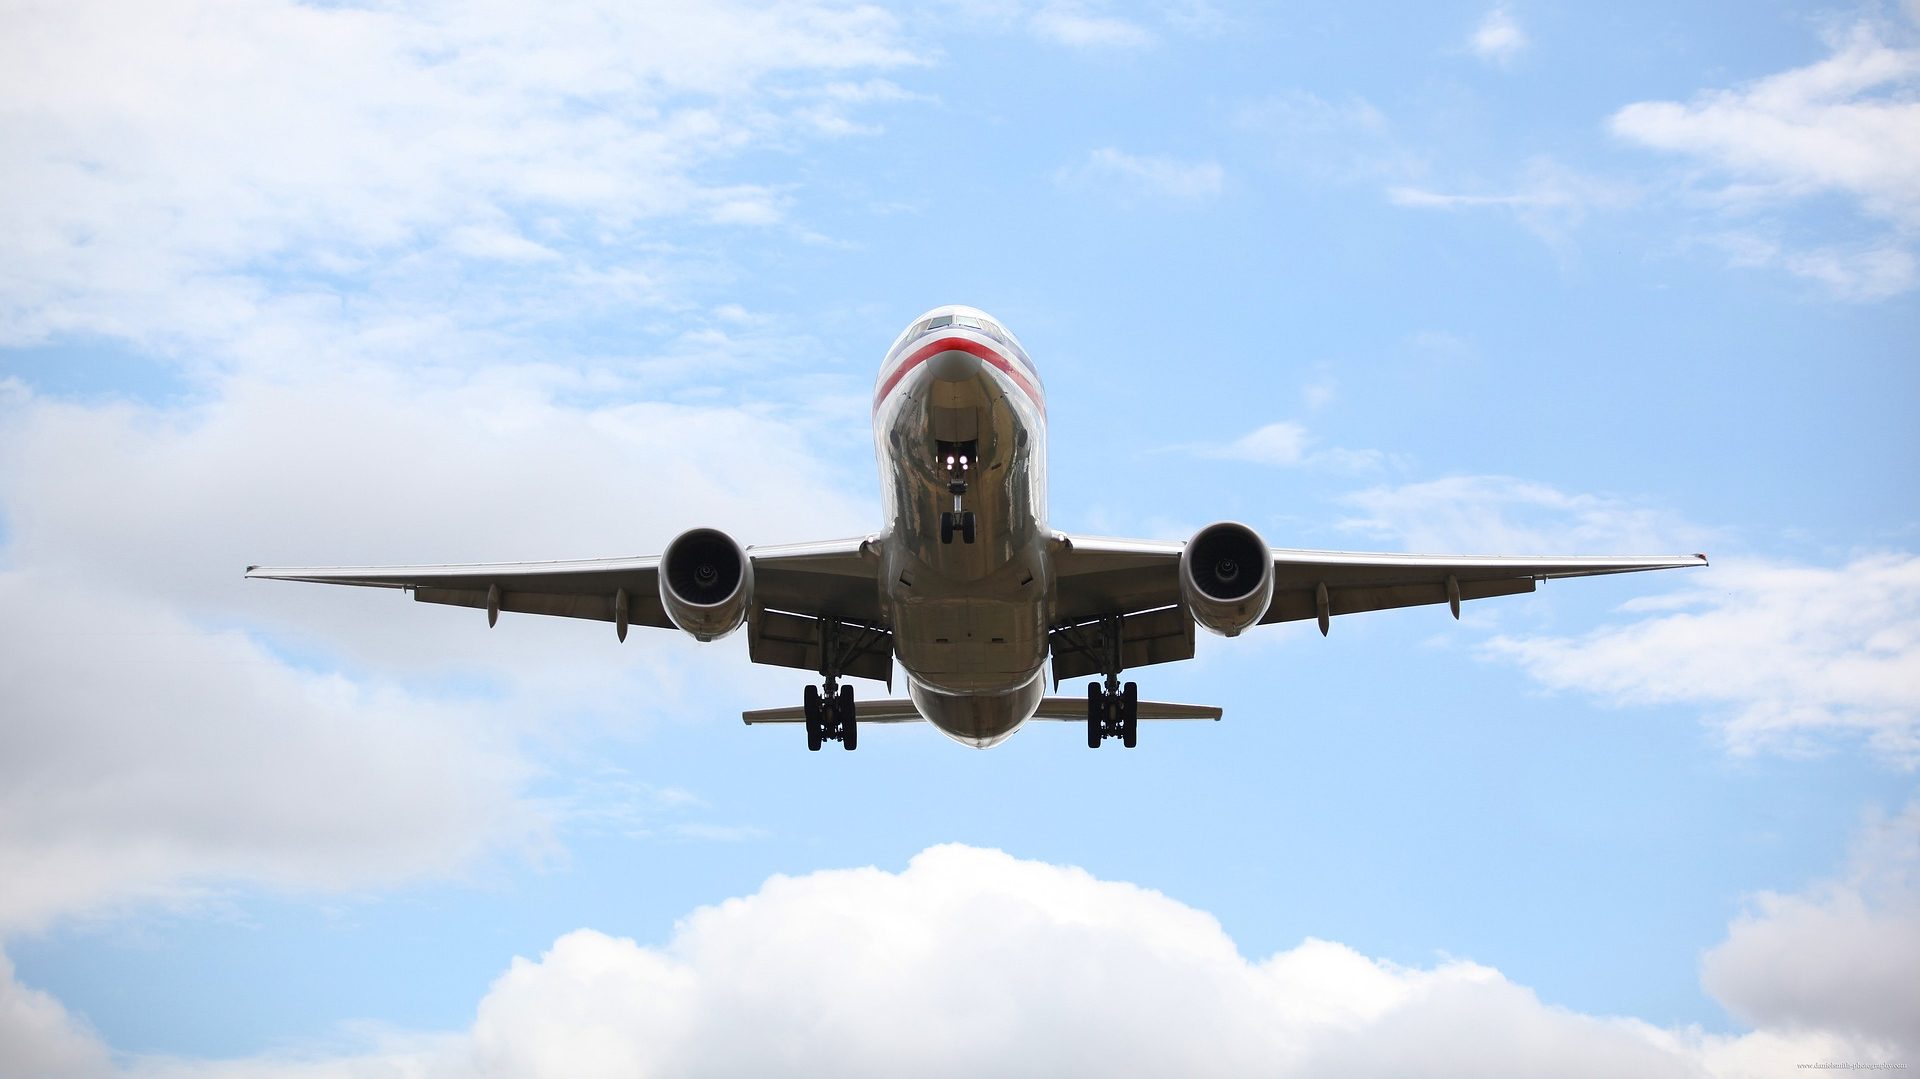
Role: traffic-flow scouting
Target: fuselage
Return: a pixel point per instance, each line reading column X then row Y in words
column 959, row 423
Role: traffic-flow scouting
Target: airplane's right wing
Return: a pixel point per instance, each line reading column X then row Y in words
column 1138, row 581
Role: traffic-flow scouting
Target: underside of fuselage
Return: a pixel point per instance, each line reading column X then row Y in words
column 961, row 436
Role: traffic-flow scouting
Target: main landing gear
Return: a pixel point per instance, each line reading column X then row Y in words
column 957, row 458
column 1113, row 711
column 829, row 714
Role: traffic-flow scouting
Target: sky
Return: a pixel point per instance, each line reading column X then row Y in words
column 341, row 283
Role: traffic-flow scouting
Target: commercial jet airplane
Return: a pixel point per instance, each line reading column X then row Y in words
column 966, row 586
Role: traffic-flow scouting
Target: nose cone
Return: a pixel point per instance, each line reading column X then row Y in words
column 954, row 366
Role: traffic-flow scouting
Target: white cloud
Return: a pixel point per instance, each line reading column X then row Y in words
column 1784, row 657
column 1498, row 38
column 1847, row 125
column 1131, row 179
column 971, row 962
column 1506, row 515
column 175, row 169
column 1838, row 957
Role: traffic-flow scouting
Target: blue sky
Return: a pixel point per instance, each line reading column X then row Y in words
column 367, row 284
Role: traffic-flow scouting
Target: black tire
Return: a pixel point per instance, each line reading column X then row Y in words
column 946, row 528
column 1096, row 705
column 1129, row 714
column 966, row 527
column 810, row 704
column 849, row 726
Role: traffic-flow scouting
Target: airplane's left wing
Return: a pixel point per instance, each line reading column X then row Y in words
column 830, row 581
column 578, row 588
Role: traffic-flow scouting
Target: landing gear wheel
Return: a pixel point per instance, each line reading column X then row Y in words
column 1130, row 715
column 810, row 704
column 966, row 526
column 1096, row 712
column 946, row 528
column 849, row 727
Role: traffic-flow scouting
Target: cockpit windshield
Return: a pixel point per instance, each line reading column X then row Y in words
column 978, row 323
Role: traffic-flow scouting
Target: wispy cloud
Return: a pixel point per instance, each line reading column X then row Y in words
column 1498, row 38
column 1548, row 198
column 1789, row 658
column 181, row 177
column 1341, row 139
column 1285, row 444
column 1132, row 179
column 1507, row 515
column 1847, row 125
column 1086, row 26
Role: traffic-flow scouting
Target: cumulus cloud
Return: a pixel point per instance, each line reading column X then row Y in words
column 1507, row 515
column 143, row 755
column 154, row 746
column 1130, row 179
column 972, row 962
column 1783, row 657
column 1846, row 125
column 1498, row 38
column 1839, row 956
column 39, row 1037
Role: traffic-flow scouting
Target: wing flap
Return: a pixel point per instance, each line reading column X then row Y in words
column 779, row 639
column 1162, row 636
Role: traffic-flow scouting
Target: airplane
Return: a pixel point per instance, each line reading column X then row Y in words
column 967, row 588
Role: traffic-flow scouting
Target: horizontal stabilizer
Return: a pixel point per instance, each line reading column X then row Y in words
column 864, row 711
column 1059, row 708
column 1075, row 708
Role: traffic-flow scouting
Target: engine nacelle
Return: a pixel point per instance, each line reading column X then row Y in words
column 1226, row 577
column 706, row 583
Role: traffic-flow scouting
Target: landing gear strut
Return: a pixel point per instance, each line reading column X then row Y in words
column 1113, row 710
column 829, row 715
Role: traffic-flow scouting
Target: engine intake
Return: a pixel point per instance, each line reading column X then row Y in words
column 1226, row 577
column 706, row 583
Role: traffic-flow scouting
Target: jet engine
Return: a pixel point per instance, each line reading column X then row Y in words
column 1226, row 577
column 706, row 583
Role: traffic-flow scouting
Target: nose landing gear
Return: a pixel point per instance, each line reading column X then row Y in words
column 957, row 458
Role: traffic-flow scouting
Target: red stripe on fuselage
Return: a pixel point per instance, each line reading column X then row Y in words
column 968, row 345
